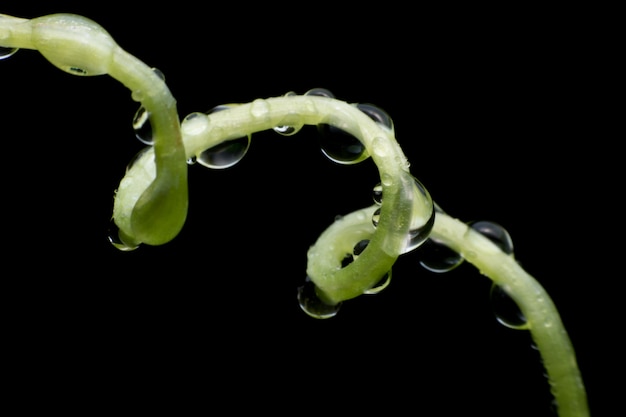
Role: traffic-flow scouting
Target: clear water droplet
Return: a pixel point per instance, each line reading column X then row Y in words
column 135, row 158
column 312, row 305
column 377, row 193
column 7, row 52
column 225, row 154
column 340, row 146
column 142, row 126
column 506, row 310
column 381, row 285
column 159, row 73
column 322, row 92
column 194, row 124
column 496, row 233
column 436, row 257
column 289, row 129
column 115, row 237
column 376, row 114
column 259, row 108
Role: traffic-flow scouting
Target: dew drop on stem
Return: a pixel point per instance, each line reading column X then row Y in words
column 116, row 239
column 436, row 257
column 142, row 126
column 7, row 52
column 225, row 154
column 505, row 309
column 312, row 305
column 494, row 232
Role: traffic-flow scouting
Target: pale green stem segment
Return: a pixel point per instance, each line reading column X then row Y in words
column 151, row 201
column 387, row 240
column 153, row 212
column 543, row 319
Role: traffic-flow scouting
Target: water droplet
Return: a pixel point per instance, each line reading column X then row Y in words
column 421, row 223
column 7, row 52
column 496, row 233
column 289, row 128
column 142, row 126
column 225, row 154
column 376, row 114
column 506, row 310
column 339, row 146
column 195, row 124
column 159, row 73
column 377, row 193
column 322, row 92
column 115, row 237
column 135, row 158
column 312, row 305
column 259, row 108
column 381, row 285
column 342, row 147
column 437, row 257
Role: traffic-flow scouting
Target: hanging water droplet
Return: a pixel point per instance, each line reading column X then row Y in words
column 159, row 73
column 376, row 114
column 312, row 305
column 115, row 237
column 7, row 52
column 339, row 146
column 135, row 158
column 225, row 154
column 376, row 217
column 289, row 128
column 142, row 126
column 496, row 233
column 381, row 285
column 322, row 92
column 437, row 257
column 506, row 310
column 139, row 95
column 377, row 193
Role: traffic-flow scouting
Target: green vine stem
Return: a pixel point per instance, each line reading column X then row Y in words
column 151, row 201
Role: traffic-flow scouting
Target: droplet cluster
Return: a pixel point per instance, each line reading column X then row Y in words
column 436, row 257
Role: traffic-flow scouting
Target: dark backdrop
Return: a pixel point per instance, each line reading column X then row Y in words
column 488, row 106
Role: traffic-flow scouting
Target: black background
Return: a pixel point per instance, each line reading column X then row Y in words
column 489, row 106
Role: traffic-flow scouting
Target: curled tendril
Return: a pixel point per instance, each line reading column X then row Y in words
column 151, row 208
column 150, row 204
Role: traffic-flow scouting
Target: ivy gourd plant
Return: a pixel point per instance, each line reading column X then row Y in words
column 356, row 253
